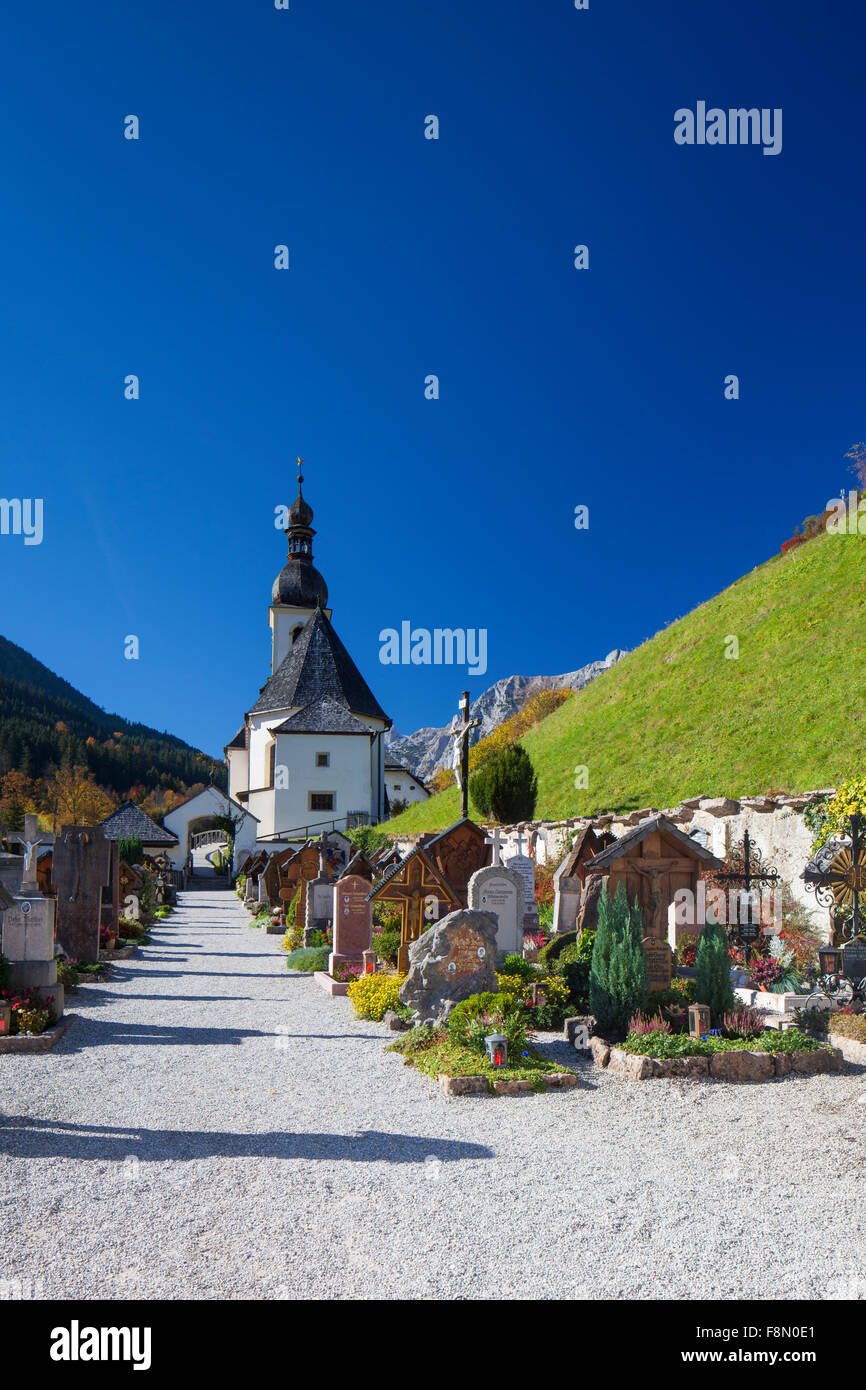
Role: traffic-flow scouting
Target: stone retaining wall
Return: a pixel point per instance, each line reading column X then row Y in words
column 724, row 1066
column 775, row 824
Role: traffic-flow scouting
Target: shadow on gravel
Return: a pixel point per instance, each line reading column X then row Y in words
column 22, row 1137
column 110, row 1033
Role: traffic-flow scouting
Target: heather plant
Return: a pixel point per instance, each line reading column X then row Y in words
column 642, row 1024
column 742, row 1023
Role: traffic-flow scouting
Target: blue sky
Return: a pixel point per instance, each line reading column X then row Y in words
column 558, row 387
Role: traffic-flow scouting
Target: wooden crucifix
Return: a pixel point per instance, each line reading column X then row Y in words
column 460, row 728
column 421, row 891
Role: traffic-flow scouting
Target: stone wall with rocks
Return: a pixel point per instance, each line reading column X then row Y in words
column 775, row 825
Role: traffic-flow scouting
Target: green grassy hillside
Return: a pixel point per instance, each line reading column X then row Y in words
column 677, row 718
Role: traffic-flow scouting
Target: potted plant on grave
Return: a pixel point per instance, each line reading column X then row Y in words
column 107, row 939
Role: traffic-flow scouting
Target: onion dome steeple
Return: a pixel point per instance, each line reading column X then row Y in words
column 299, row 584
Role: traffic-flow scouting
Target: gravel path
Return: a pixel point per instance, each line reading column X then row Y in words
column 212, row 1127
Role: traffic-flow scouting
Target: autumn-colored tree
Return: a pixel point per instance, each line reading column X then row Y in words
column 17, row 797
column 73, row 798
column 442, row 778
column 857, row 455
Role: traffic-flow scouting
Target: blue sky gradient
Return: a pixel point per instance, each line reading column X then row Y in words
column 410, row 257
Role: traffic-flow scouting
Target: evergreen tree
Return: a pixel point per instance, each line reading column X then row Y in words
column 713, row 972
column 505, row 786
column 618, row 976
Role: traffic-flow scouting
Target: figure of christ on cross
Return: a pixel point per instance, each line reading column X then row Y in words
column 460, row 727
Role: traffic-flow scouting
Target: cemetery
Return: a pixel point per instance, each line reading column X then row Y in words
column 657, row 958
column 66, row 915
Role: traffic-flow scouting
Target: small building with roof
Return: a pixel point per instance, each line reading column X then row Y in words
column 310, row 754
column 401, row 784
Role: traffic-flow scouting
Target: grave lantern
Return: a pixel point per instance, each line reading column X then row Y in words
column 699, row 1020
column 370, row 962
column 830, row 958
column 5, row 1019
column 497, row 1049
column 539, row 996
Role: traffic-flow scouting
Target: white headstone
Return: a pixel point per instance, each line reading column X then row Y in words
column 500, row 891
column 523, row 865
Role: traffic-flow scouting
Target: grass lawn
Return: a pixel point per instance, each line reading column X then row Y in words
column 677, row 718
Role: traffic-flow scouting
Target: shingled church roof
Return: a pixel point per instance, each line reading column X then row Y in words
column 129, row 822
column 323, row 716
column 318, row 667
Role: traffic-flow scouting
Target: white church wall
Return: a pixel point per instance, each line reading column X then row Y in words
column 347, row 777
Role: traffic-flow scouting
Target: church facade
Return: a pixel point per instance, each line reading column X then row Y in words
column 310, row 755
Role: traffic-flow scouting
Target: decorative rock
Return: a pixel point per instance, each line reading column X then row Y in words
column 719, row 806
column 600, row 1051
column 463, row 1085
column 450, row 961
column 681, row 1066
column 631, row 1066
column 811, row 1063
column 395, row 1022
column 782, row 1062
column 560, row 1080
column 742, row 1066
column 516, row 1087
column 578, row 1023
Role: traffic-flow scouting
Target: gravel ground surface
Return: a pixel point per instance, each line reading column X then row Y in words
column 214, row 1127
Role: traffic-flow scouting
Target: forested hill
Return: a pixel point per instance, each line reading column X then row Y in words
column 45, row 722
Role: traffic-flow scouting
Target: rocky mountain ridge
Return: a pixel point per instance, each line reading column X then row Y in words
column 428, row 749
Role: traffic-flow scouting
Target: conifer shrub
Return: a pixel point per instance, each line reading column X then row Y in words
column 618, row 986
column 505, row 787
column 713, row 972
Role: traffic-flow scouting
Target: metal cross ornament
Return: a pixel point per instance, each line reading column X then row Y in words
column 837, row 876
column 752, row 873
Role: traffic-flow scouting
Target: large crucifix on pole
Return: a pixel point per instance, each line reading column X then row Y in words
column 460, row 728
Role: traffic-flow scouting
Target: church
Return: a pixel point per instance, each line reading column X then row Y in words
column 310, row 755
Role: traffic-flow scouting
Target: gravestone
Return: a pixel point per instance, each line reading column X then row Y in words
column 458, row 852
column 449, row 962
column 854, row 958
column 111, row 898
column 524, row 866
column 319, row 905
column 273, row 874
column 499, row 890
column 658, row 963
column 27, row 932
column 10, row 871
column 422, row 891
column 82, row 867
column 568, row 889
column 262, row 890
column 353, row 919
